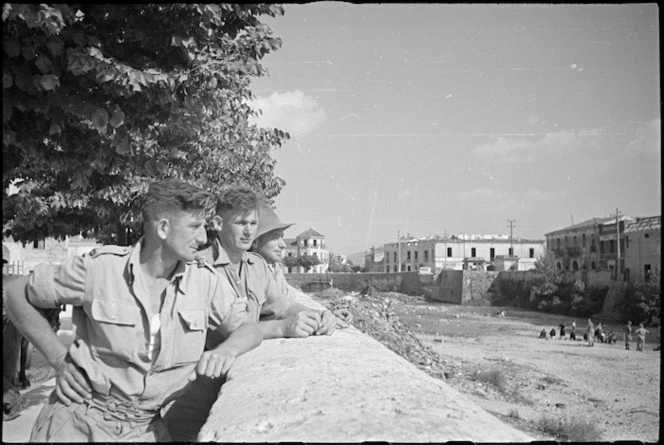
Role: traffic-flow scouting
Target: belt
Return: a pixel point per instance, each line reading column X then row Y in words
column 113, row 408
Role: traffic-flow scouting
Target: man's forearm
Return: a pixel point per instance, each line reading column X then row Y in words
column 272, row 328
column 30, row 322
column 243, row 339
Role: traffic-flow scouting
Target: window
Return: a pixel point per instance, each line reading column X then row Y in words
column 408, row 256
column 426, row 255
column 565, row 241
column 387, row 268
column 449, row 252
column 574, row 241
column 647, row 235
column 646, row 271
column 593, row 266
column 315, row 242
column 558, row 243
column 583, row 240
column 492, row 253
column 395, row 257
column 531, row 253
column 511, row 252
column 409, row 268
column 416, row 255
column 626, row 241
column 473, row 252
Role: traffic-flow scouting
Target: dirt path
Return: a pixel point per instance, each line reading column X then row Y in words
column 506, row 369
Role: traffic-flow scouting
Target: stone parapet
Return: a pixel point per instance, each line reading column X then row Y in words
column 346, row 387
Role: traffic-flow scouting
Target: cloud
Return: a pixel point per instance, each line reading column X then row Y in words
column 515, row 150
column 647, row 139
column 292, row 111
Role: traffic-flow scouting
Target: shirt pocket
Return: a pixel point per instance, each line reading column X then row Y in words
column 190, row 336
column 114, row 330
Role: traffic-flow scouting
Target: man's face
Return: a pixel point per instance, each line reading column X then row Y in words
column 271, row 246
column 186, row 231
column 238, row 230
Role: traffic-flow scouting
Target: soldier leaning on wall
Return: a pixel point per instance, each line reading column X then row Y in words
column 141, row 315
column 248, row 278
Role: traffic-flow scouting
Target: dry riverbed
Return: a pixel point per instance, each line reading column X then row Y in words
column 552, row 389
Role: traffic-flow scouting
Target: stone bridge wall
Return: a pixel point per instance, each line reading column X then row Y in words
column 408, row 282
column 346, row 387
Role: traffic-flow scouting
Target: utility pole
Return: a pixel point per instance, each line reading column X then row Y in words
column 618, row 244
column 399, row 249
column 511, row 226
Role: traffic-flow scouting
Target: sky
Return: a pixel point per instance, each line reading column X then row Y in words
column 439, row 119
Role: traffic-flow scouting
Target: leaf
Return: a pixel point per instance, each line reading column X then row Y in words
column 55, row 47
column 117, row 119
column 44, row 64
column 7, row 80
column 123, row 147
column 54, row 129
column 49, row 82
column 29, row 52
column 12, row 48
column 99, row 118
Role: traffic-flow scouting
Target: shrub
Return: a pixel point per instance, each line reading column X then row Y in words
column 569, row 430
column 643, row 301
column 494, row 378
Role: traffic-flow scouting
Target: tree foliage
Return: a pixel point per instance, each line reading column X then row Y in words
column 100, row 99
column 307, row 261
column 643, row 300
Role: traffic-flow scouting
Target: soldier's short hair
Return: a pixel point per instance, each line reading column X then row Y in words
column 171, row 195
column 237, row 199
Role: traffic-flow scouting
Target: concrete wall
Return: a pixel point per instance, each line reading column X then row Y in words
column 346, row 387
column 409, row 281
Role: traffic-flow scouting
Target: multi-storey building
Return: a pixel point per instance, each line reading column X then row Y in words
column 589, row 245
column 643, row 252
column 21, row 259
column 312, row 243
column 462, row 252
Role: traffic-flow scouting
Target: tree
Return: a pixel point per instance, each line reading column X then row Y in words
column 289, row 262
column 307, row 261
column 100, row 99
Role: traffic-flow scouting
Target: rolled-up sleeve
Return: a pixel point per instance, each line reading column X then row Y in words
column 51, row 286
column 279, row 296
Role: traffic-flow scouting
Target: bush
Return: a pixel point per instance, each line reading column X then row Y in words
column 494, row 378
column 643, row 301
column 569, row 430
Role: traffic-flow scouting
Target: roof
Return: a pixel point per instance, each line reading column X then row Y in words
column 290, row 241
column 588, row 223
column 644, row 224
column 310, row 233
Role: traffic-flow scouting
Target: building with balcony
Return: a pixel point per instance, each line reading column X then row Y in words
column 309, row 242
column 643, row 248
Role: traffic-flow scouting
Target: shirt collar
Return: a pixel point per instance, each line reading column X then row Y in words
column 134, row 261
column 220, row 256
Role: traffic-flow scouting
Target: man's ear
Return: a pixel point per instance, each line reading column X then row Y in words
column 163, row 226
column 217, row 223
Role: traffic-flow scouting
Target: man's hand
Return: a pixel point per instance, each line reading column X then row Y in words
column 214, row 363
column 71, row 382
column 328, row 323
column 302, row 324
column 344, row 317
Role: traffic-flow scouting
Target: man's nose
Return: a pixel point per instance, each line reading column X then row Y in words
column 201, row 235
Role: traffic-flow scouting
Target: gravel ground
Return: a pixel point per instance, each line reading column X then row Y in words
column 552, row 389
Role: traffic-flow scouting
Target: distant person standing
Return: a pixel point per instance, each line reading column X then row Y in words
column 591, row 333
column 562, row 330
column 572, row 334
column 641, row 337
column 552, row 333
column 628, row 334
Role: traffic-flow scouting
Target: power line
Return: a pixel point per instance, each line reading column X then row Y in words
column 511, row 226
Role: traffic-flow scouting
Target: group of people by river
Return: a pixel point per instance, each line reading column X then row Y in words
column 598, row 333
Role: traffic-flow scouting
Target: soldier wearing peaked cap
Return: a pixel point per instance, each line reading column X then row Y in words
column 141, row 315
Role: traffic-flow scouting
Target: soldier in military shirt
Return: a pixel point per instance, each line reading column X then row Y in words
column 141, row 315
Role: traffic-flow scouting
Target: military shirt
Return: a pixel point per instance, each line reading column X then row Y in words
column 255, row 284
column 112, row 320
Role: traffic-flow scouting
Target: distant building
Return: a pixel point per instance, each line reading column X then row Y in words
column 309, row 242
column 643, row 254
column 22, row 259
column 374, row 260
column 462, row 252
column 589, row 245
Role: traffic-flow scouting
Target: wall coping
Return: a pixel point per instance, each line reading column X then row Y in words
column 346, row 387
